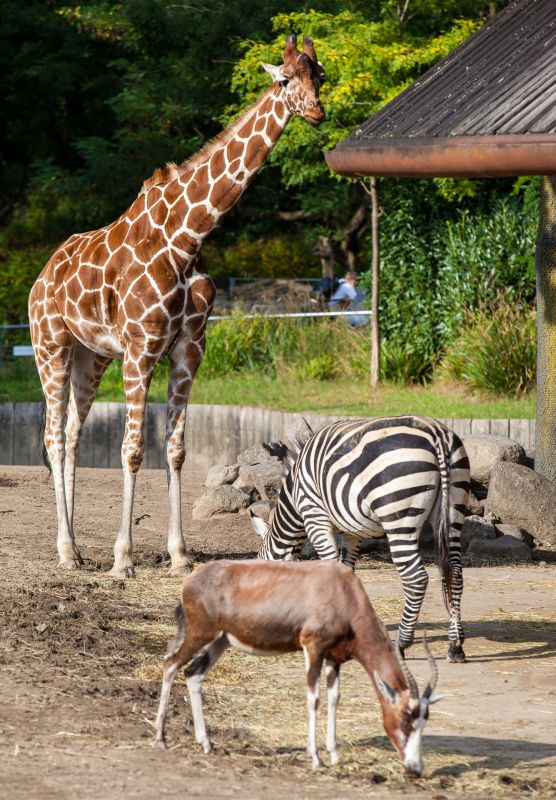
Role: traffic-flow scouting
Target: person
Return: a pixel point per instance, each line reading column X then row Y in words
column 347, row 297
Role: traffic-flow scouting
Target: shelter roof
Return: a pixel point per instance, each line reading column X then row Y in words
column 487, row 109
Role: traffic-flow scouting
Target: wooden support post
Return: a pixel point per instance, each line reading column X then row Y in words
column 545, row 438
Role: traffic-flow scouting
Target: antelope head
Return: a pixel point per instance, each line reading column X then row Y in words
column 405, row 713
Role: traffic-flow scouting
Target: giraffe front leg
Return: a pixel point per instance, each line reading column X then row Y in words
column 179, row 384
column 137, row 374
column 185, row 358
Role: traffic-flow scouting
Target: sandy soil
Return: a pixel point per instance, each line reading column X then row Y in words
column 80, row 665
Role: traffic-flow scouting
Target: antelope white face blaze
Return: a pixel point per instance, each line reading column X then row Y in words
column 413, row 751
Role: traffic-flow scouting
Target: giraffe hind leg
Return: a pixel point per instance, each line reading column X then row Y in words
column 54, row 359
column 86, row 374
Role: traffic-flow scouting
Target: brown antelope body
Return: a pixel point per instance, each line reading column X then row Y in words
column 269, row 608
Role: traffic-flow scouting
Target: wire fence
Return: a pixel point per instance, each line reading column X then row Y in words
column 15, row 342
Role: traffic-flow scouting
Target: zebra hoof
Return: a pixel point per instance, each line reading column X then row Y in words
column 456, row 654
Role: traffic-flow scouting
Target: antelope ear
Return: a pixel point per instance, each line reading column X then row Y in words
column 386, row 691
column 259, row 525
column 435, row 698
column 274, row 72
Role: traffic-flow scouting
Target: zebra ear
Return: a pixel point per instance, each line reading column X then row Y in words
column 259, row 525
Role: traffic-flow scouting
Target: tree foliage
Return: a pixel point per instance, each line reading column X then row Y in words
column 97, row 95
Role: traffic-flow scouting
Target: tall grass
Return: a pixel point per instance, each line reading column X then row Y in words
column 496, row 351
column 313, row 348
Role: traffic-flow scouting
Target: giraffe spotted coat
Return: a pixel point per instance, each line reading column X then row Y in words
column 136, row 290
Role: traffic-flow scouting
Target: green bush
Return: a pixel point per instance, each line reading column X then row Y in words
column 496, row 351
column 401, row 363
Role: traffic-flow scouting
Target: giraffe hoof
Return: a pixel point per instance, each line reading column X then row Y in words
column 122, row 571
column 73, row 563
column 182, row 567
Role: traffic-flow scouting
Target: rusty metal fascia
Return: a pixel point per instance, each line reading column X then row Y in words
column 448, row 157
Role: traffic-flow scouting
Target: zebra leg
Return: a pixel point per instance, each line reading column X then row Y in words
column 320, row 533
column 459, row 497
column 350, row 550
column 405, row 555
column 456, row 634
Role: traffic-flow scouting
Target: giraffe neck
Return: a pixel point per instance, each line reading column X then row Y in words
column 209, row 186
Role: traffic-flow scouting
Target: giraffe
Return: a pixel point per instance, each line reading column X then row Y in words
column 137, row 290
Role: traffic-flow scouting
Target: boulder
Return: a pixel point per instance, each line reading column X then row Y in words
column 516, row 532
column 485, row 451
column 221, row 474
column 268, row 480
column 262, row 509
column 520, row 496
column 272, row 452
column 220, row 500
column 476, row 506
column 503, row 547
column 475, row 527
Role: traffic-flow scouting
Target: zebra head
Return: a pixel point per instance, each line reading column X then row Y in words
column 406, row 713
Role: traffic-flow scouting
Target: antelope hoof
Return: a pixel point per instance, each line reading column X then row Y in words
column 456, row 654
column 122, row 571
column 159, row 744
column 316, row 763
column 207, row 747
column 334, row 758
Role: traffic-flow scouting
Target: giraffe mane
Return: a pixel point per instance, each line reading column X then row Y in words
column 171, row 170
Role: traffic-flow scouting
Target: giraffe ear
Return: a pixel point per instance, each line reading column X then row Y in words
column 274, row 72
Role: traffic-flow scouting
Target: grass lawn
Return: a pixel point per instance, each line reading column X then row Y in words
column 351, row 397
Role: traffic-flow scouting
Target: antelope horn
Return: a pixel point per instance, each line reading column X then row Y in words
column 434, row 670
column 411, row 682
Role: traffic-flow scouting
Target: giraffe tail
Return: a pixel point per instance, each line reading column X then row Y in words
column 41, row 445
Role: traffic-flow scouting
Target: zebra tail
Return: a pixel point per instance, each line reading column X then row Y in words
column 443, row 528
column 41, row 445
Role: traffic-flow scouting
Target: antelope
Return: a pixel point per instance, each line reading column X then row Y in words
column 274, row 607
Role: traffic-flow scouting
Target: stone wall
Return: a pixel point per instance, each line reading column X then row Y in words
column 215, row 434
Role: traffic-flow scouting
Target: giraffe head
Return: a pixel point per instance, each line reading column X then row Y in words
column 300, row 76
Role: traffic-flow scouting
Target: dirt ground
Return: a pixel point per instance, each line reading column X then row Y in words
column 80, row 666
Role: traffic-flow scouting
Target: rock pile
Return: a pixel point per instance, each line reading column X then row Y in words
column 251, row 484
column 512, row 507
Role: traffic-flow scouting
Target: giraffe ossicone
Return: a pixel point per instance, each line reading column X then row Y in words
column 137, row 290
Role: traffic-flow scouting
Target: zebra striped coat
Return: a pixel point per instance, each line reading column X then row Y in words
column 368, row 478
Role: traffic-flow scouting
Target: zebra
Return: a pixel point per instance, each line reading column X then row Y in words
column 370, row 478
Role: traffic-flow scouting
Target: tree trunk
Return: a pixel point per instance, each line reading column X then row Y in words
column 323, row 249
column 375, row 327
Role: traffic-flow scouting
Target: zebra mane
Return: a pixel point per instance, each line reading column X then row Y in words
column 295, row 442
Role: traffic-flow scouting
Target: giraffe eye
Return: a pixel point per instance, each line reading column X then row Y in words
column 284, row 82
